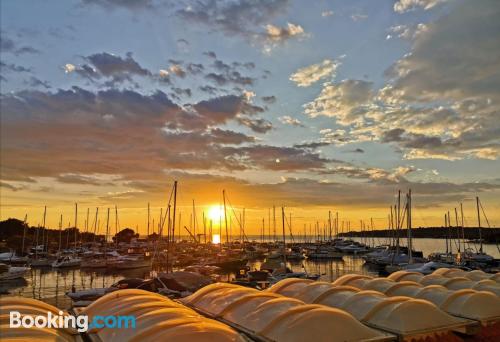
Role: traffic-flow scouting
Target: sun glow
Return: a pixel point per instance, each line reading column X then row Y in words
column 215, row 213
column 216, row 238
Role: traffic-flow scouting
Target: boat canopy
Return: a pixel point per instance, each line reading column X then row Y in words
column 270, row 316
column 459, row 296
column 464, row 281
column 400, row 315
column 157, row 318
column 33, row 308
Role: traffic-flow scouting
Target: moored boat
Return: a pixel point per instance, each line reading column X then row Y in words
column 8, row 272
column 66, row 261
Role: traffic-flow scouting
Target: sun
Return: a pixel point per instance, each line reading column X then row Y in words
column 215, row 213
column 216, row 239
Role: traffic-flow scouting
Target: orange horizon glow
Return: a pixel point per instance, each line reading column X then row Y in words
column 302, row 217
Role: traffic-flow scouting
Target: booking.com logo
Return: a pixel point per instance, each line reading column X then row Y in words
column 80, row 323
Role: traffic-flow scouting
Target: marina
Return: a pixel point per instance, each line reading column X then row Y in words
column 249, row 171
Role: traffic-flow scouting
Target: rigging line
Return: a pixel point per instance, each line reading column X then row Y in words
column 166, row 211
column 161, row 226
column 236, row 217
column 289, row 228
column 484, row 214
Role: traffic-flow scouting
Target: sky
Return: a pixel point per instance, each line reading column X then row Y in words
column 316, row 106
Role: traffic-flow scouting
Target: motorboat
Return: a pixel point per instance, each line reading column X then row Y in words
column 478, row 257
column 12, row 258
column 66, row 261
column 285, row 273
column 353, row 249
column 8, row 272
column 324, row 253
column 130, row 262
column 424, row 268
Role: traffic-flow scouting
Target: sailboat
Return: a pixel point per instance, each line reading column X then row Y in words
column 283, row 272
column 398, row 260
column 41, row 251
column 68, row 260
column 8, row 272
column 478, row 256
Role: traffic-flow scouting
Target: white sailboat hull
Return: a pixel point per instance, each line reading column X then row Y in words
column 14, row 273
column 66, row 263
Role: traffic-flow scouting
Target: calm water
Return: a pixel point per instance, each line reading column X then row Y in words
column 428, row 246
column 50, row 285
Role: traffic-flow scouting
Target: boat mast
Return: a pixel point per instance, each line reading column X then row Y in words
column 274, row 222
column 87, row 224
column 269, row 221
column 225, row 215
column 284, row 239
column 397, row 223
column 43, row 227
column 211, row 235
column 169, row 223
column 337, row 224
column 458, row 229
column 175, row 211
column 391, row 227
column 106, row 239
column 446, row 235
column 76, row 225
column 449, row 233
column 263, row 227
column 24, row 232
column 116, row 226
column 462, row 223
column 95, row 224
column 60, row 236
column 147, row 236
column 330, row 225
column 408, row 222
column 479, row 226
column 204, row 227
column 194, row 220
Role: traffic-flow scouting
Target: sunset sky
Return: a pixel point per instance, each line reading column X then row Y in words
column 314, row 105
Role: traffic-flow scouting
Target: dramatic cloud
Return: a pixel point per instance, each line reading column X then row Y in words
column 442, row 99
column 372, row 174
column 344, row 100
column 8, row 45
column 210, row 54
column 108, row 137
column 241, row 18
column 35, row 82
column 304, row 77
column 131, row 5
column 306, row 193
column 279, row 34
column 278, row 158
column 105, row 65
column 177, row 70
column 462, row 74
column 406, row 32
column 402, row 6
column 258, row 125
column 269, row 99
column 10, row 67
column 288, row 120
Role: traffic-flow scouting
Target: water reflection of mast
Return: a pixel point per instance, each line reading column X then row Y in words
column 57, row 288
column 106, row 246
